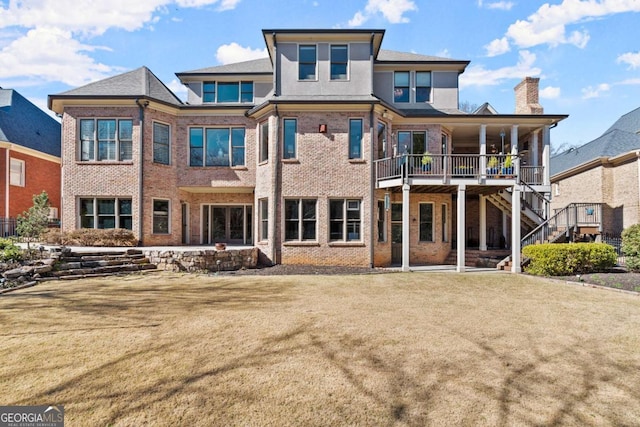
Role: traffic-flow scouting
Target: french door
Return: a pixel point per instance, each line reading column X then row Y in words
column 228, row 224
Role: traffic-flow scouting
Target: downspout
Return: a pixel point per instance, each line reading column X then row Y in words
column 372, row 183
column 6, row 181
column 276, row 89
column 275, row 251
column 142, row 105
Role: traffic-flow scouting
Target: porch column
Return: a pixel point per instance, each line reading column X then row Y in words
column 483, row 150
column 546, row 154
column 515, row 230
column 483, row 223
column 514, row 139
column 505, row 229
column 405, row 227
column 461, row 224
column 535, row 158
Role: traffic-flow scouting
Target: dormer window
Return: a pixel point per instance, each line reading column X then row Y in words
column 339, row 62
column 307, row 59
column 227, row 92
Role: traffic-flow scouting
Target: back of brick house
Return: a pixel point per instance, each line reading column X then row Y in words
column 315, row 155
column 29, row 157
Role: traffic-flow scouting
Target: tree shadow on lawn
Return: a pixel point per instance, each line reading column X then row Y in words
column 479, row 384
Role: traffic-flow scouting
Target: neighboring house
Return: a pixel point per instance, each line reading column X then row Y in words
column 605, row 171
column 314, row 155
column 29, row 156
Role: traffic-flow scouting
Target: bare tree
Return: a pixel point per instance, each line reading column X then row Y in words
column 467, row 107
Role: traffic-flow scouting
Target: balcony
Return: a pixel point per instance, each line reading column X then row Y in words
column 447, row 169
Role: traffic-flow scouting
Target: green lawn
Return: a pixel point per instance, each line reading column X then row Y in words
column 385, row 349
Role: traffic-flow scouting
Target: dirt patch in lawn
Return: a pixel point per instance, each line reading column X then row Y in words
column 297, row 269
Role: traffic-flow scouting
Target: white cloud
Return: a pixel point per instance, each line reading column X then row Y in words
column 498, row 47
column 635, row 81
column 550, row 92
column 233, row 52
column 444, row 53
column 631, row 58
column 480, row 76
column 591, row 92
column 548, row 25
column 45, row 43
column 178, row 88
column 392, row 10
column 51, row 54
column 500, row 5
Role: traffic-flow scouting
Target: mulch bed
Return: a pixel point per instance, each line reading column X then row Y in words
column 617, row 278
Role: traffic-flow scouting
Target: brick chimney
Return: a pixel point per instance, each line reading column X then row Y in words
column 527, row 96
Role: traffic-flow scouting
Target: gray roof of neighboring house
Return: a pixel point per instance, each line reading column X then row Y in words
column 256, row 66
column 22, row 123
column 629, row 122
column 139, row 82
column 612, row 143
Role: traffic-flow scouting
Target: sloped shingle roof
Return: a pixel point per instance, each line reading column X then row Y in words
column 256, row 66
column 395, row 56
column 139, row 82
column 24, row 124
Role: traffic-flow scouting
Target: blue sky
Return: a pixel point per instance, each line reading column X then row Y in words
column 586, row 52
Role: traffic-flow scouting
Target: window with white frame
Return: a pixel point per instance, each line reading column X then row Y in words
column 290, row 129
column 264, row 141
column 17, row 172
column 105, row 213
column 345, row 220
column 355, row 138
column 264, row 219
column 307, row 61
column 216, row 146
column 339, row 61
column 161, row 216
column 106, row 139
column 161, row 143
column 426, row 222
column 300, row 219
column 382, row 222
column 227, row 92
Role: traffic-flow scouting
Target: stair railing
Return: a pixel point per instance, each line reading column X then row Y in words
column 564, row 222
column 542, row 213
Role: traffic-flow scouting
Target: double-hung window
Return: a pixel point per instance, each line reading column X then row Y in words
column 106, row 213
column 17, row 174
column 382, row 222
column 264, row 219
column 227, row 92
column 110, row 139
column 355, row 138
column 307, row 60
column 161, row 216
column 423, row 86
column 300, row 219
column 401, row 86
column 426, row 222
column 161, row 147
column 216, row 146
column 345, row 220
column 339, row 62
column 290, row 128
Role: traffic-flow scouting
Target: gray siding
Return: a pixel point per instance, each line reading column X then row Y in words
column 194, row 93
column 358, row 83
column 444, row 90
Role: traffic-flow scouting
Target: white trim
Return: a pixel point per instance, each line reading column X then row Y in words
column 29, row 151
column 21, row 181
column 298, row 62
column 153, row 141
column 348, row 77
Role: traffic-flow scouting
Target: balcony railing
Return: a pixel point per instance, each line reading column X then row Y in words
column 444, row 166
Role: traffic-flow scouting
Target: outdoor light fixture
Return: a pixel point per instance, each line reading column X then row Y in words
column 322, row 128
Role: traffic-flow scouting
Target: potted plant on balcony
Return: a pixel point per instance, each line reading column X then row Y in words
column 426, row 161
column 507, row 168
column 492, row 166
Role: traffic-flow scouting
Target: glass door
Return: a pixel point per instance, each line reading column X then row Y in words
column 227, row 224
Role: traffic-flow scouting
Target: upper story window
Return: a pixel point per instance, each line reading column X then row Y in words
column 307, row 59
column 106, row 139
column 290, row 129
column 227, row 92
column 339, row 62
column 423, row 86
column 401, row 86
column 216, row 146
column 161, row 145
column 355, row 138
column 264, row 141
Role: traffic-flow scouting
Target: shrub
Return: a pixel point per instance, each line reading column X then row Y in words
column 631, row 247
column 565, row 259
column 92, row 237
column 33, row 222
column 9, row 251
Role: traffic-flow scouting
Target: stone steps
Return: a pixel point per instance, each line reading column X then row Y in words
column 477, row 258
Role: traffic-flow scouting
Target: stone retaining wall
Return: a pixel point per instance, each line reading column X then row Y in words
column 204, row 260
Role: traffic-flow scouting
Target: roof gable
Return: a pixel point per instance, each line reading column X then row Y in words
column 24, row 124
